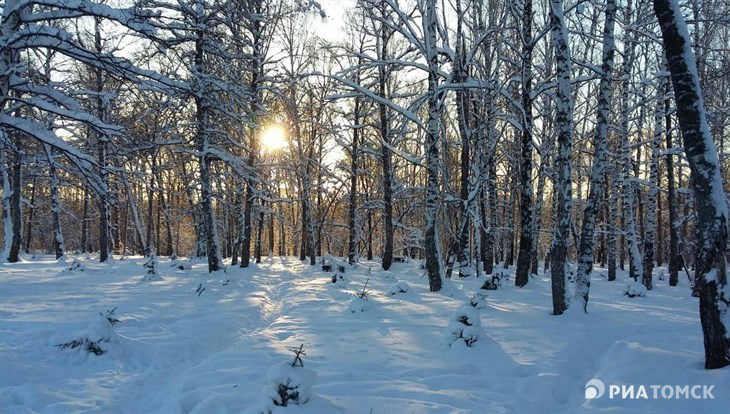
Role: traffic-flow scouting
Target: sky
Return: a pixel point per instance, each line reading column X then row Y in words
column 331, row 27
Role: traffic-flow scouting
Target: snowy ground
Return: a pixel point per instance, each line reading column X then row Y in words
column 177, row 351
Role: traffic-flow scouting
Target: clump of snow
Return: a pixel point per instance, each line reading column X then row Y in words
column 494, row 281
column 287, row 385
column 359, row 304
column 465, row 325
column 400, row 287
column 98, row 338
column 479, row 300
column 634, row 288
column 184, row 265
column 75, row 266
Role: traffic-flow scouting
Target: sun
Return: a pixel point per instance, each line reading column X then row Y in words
column 274, row 138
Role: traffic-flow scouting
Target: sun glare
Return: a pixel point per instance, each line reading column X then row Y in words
column 274, row 138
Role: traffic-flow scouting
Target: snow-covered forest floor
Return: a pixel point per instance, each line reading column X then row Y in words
column 181, row 349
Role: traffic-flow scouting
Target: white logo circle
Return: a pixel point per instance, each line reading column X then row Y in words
column 595, row 389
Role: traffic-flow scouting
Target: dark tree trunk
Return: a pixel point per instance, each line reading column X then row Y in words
column 463, row 109
column 102, row 144
column 208, row 231
column 352, row 206
column 674, row 262
column 16, row 210
column 526, row 227
column 385, row 152
column 710, row 202
column 58, row 244
column 259, row 234
column 651, row 213
column 149, row 248
column 85, row 223
column 29, row 221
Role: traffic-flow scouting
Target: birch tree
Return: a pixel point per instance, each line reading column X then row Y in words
column 564, row 183
column 525, row 252
column 710, row 201
column 600, row 148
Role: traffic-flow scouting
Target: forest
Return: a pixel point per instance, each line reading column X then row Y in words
column 470, row 134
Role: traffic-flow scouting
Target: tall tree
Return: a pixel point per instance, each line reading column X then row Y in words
column 433, row 132
column 525, row 252
column 710, row 201
column 600, row 149
column 564, row 183
column 651, row 216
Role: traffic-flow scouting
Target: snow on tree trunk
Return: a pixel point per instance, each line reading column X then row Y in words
column 352, row 201
column 492, row 233
column 58, row 245
column 16, row 219
column 202, row 140
column 7, row 193
column 464, row 118
column 133, row 208
column 564, row 184
column 710, row 201
column 650, row 225
column 673, row 263
column 600, row 145
column 29, row 221
column 238, row 209
column 526, row 224
column 255, row 109
column 431, row 243
column 624, row 164
column 385, row 153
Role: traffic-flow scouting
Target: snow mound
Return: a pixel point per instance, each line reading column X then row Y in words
column 464, row 325
column 676, row 372
column 359, row 304
column 479, row 300
column 287, row 385
column 400, row 287
column 634, row 289
column 98, row 338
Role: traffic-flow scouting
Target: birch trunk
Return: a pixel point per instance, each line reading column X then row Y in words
column 710, row 201
column 526, row 224
column 600, row 148
column 564, row 121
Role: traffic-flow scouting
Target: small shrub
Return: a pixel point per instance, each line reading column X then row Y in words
column 109, row 316
column 151, row 267
column 493, row 283
column 365, row 292
column 465, row 325
column 88, row 345
column 288, row 383
column 75, row 265
column 97, row 337
column 479, row 300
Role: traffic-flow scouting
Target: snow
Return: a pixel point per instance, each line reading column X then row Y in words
column 224, row 350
